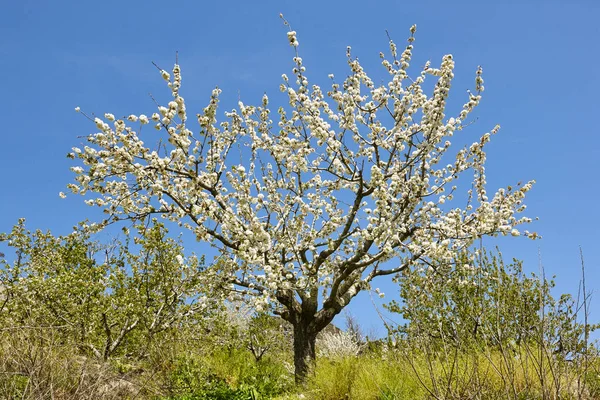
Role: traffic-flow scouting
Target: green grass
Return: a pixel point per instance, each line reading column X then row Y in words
column 36, row 364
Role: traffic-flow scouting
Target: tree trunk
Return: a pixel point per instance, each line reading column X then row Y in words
column 307, row 322
column 304, row 350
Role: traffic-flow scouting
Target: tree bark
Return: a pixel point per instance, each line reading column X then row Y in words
column 307, row 322
column 304, row 350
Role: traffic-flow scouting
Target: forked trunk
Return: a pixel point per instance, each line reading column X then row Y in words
column 307, row 322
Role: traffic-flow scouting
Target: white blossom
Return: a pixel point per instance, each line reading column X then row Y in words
column 313, row 200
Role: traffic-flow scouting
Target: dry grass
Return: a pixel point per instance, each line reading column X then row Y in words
column 37, row 363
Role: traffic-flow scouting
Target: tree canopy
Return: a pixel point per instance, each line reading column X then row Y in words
column 308, row 206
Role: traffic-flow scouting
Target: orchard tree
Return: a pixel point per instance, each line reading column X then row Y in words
column 105, row 299
column 481, row 301
column 309, row 206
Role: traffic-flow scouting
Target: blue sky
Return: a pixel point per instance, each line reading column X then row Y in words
column 540, row 61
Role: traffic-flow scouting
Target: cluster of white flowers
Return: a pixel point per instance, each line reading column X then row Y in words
column 322, row 198
column 337, row 345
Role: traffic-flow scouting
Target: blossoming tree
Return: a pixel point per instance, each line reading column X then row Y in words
column 344, row 186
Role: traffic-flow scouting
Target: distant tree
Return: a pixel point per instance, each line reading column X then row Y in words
column 344, row 187
column 106, row 300
column 481, row 301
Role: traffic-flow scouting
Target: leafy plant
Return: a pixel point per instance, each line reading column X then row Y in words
column 105, row 299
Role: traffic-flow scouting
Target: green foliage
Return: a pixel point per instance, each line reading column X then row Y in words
column 478, row 311
column 233, row 371
column 266, row 333
column 370, row 376
column 129, row 320
column 216, row 389
column 100, row 297
column 140, row 308
column 481, row 300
